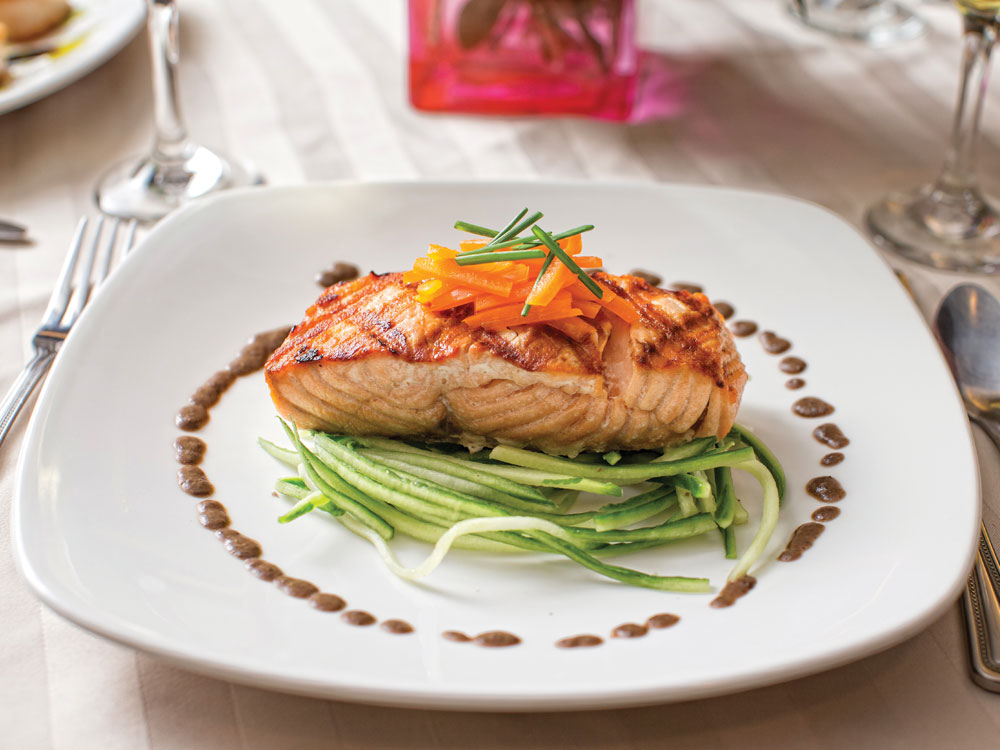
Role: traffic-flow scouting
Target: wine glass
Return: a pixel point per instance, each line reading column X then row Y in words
column 875, row 22
column 178, row 169
column 949, row 223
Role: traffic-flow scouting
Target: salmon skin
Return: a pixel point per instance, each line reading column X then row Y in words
column 368, row 359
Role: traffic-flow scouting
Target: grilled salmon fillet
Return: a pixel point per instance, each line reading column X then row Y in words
column 368, row 359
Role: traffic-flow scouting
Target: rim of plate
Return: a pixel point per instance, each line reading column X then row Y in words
column 114, row 31
column 478, row 698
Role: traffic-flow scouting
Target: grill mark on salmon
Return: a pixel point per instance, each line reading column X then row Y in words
column 369, row 359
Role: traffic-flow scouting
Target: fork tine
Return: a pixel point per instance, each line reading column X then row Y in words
column 130, row 235
column 60, row 295
column 82, row 291
column 107, row 250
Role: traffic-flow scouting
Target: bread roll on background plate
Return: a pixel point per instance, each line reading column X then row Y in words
column 26, row 19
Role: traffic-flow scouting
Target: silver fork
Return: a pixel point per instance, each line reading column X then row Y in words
column 87, row 264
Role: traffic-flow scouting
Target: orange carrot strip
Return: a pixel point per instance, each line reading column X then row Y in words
column 619, row 306
column 449, row 270
column 489, row 301
column 468, row 245
column 440, row 252
column 576, row 328
column 584, row 261
column 452, row 298
column 560, row 309
column 516, row 320
column 590, row 306
column 572, row 245
column 414, row 277
column 555, row 278
column 428, row 290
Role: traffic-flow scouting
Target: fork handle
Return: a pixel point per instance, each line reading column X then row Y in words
column 11, row 405
column 982, row 617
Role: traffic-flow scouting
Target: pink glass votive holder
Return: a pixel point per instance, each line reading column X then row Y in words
column 524, row 57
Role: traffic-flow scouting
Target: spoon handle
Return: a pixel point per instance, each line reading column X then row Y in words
column 982, row 616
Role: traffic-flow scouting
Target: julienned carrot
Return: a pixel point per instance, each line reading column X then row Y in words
column 452, row 298
column 449, row 270
column 575, row 328
column 440, row 252
column 561, row 308
column 468, row 245
column 572, row 245
column 551, row 282
column 542, row 316
column 501, row 289
column 619, row 306
column 428, row 290
column 590, row 307
column 584, row 261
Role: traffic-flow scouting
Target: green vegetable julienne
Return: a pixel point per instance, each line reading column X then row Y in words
column 378, row 486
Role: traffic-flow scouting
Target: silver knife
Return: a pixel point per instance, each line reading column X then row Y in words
column 11, row 232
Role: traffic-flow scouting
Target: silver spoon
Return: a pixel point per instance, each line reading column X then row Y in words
column 967, row 325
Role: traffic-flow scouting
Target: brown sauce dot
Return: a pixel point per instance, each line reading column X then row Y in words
column 206, row 396
column 826, row 489
column 358, row 618
column 685, row 286
column 580, row 641
column 792, row 365
column 191, row 417
column 743, row 328
column 629, row 630
column 773, row 343
column 802, row 539
column 326, row 602
column 189, row 449
column 192, row 480
column 830, row 434
column 831, row 459
column 793, row 384
column 662, row 621
column 340, row 271
column 238, row 545
column 264, row 570
column 496, row 639
column 212, row 514
column 254, row 355
column 733, row 591
column 296, row 587
column 725, row 309
column 397, row 627
column 810, row 407
column 648, row 276
column 826, row 513
column 456, row 636
column 220, row 381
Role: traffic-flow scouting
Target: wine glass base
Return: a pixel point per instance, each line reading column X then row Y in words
column 147, row 189
column 928, row 231
column 876, row 24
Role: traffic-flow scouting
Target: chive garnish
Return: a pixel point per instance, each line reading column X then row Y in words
column 528, row 242
column 512, row 231
column 568, row 261
column 506, row 233
column 475, row 229
column 472, row 259
column 513, row 228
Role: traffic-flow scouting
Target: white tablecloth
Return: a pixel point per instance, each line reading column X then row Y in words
column 316, row 89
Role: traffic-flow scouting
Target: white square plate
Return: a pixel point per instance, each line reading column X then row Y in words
column 105, row 537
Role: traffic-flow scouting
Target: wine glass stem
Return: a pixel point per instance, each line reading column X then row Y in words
column 171, row 144
column 959, row 171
